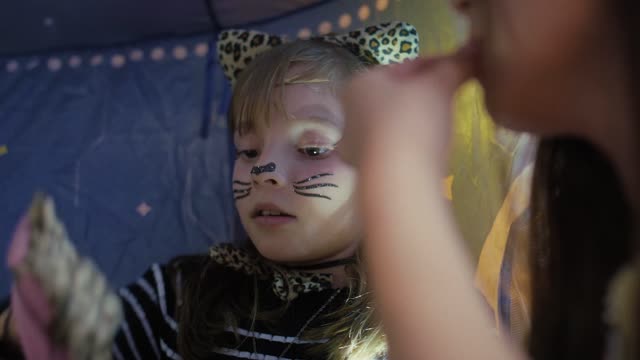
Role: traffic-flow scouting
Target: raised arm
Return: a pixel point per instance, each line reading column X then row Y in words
column 398, row 129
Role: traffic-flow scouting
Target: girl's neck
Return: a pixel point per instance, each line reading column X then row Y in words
column 335, row 267
column 608, row 121
column 332, row 264
column 339, row 276
column 322, row 265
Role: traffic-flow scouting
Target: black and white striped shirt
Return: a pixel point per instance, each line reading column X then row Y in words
column 150, row 328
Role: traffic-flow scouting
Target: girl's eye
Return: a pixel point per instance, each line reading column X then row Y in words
column 316, row 152
column 247, row 154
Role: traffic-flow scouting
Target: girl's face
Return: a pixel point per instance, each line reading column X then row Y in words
column 536, row 58
column 293, row 193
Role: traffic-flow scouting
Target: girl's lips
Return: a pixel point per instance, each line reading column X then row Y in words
column 262, row 209
column 274, row 220
column 268, row 214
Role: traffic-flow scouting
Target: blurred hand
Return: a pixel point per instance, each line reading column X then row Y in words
column 61, row 303
column 406, row 104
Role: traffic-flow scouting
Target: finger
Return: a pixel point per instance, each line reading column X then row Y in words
column 346, row 150
column 442, row 73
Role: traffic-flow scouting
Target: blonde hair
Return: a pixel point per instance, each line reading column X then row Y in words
column 353, row 330
column 259, row 88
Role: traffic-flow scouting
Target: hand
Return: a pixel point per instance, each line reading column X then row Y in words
column 407, row 104
column 61, row 304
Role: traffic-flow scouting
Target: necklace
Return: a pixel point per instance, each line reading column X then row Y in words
column 323, row 265
column 313, row 317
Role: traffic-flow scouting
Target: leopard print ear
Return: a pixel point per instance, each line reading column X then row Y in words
column 382, row 44
column 236, row 49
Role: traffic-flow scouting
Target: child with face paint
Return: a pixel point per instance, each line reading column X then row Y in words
column 297, row 290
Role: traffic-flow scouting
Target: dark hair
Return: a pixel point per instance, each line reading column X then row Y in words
column 583, row 230
column 628, row 13
column 208, row 298
column 581, row 235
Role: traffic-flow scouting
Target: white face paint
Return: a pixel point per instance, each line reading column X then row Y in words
column 301, row 211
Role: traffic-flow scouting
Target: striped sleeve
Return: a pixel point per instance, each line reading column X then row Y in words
column 149, row 329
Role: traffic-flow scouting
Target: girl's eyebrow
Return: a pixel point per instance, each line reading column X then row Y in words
column 328, row 128
column 321, row 121
column 311, row 81
column 247, row 137
column 316, row 113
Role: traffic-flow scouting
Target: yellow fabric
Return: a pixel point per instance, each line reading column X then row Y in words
column 491, row 256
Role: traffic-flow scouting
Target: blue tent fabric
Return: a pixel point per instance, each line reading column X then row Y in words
column 71, row 24
column 119, row 150
column 115, row 136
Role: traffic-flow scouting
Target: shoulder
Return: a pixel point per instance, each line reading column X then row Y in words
column 160, row 285
column 154, row 288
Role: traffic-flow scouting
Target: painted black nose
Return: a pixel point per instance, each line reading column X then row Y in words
column 257, row 170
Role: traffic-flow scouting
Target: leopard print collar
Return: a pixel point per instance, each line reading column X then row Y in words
column 382, row 44
column 286, row 284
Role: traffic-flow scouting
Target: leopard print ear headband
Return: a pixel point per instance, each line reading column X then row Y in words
column 383, row 44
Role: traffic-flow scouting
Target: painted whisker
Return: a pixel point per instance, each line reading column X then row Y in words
column 239, row 192
column 312, row 178
column 314, row 186
column 312, row 195
column 297, row 187
column 242, row 196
